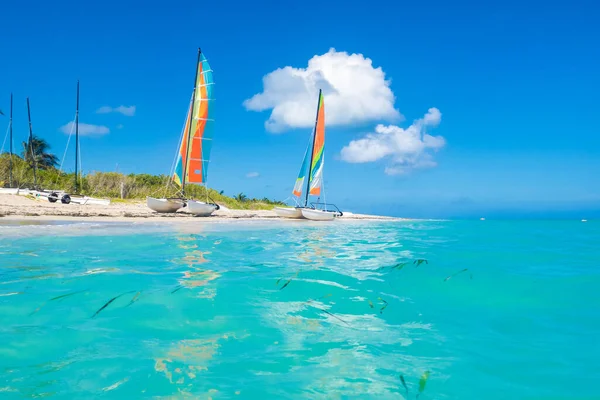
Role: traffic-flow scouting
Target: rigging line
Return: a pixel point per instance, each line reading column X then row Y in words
column 62, row 161
column 80, row 165
column 5, row 137
column 323, row 179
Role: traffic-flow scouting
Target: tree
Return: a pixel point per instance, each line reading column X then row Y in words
column 241, row 197
column 43, row 159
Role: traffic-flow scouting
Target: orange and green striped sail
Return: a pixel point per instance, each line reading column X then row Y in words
column 316, row 167
column 194, row 153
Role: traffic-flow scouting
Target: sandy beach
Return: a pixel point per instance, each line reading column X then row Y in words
column 16, row 206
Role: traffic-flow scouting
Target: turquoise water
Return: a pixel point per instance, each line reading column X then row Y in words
column 301, row 310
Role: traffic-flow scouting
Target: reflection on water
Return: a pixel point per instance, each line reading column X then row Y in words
column 294, row 311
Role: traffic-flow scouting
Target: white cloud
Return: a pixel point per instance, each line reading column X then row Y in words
column 125, row 110
column 252, row 175
column 406, row 149
column 85, row 129
column 354, row 92
column 120, row 126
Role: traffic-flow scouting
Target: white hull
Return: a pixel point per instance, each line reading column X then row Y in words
column 319, row 215
column 288, row 212
column 9, row 191
column 81, row 200
column 200, row 208
column 164, row 205
column 90, row 200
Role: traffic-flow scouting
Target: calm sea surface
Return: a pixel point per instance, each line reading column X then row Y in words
column 273, row 310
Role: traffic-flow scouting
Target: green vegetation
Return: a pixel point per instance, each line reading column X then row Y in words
column 114, row 184
column 43, row 158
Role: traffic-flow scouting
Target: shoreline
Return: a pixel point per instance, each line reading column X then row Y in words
column 16, row 207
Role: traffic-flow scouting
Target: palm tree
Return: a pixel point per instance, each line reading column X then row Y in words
column 241, row 197
column 43, row 159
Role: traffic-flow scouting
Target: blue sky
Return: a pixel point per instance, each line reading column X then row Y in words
column 516, row 85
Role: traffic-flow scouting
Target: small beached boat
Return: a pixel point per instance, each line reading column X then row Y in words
column 76, row 198
column 53, row 195
column 313, row 162
column 296, row 212
column 193, row 154
column 165, row 205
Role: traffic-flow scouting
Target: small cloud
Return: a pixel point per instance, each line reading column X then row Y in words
column 85, row 129
column 355, row 91
column 120, row 126
column 407, row 149
column 252, row 175
column 125, row 110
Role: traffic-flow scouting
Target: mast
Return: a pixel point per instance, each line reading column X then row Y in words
column 312, row 150
column 187, row 144
column 31, row 145
column 10, row 173
column 76, row 136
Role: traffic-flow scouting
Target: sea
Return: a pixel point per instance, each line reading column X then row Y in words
column 422, row 309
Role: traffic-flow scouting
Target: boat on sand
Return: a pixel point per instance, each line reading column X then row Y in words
column 312, row 171
column 193, row 154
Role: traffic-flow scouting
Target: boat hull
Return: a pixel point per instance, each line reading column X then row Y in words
column 288, row 212
column 200, row 208
column 90, row 200
column 9, row 191
column 319, row 215
column 164, row 205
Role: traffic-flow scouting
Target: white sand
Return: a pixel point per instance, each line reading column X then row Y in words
column 21, row 207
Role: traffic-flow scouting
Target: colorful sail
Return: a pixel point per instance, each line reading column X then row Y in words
column 178, row 173
column 302, row 174
column 196, row 144
column 316, row 168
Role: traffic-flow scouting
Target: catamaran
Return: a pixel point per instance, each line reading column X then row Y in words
column 313, row 161
column 53, row 195
column 76, row 197
column 195, row 144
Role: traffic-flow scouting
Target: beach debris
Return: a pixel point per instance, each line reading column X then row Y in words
column 381, row 302
column 134, row 299
column 176, row 289
column 285, row 284
column 420, row 261
column 62, row 296
column 397, row 266
column 404, row 384
column 328, row 313
column 67, row 295
column 456, row 273
column 385, row 304
column 423, row 382
column 288, row 281
column 110, row 301
column 319, row 298
column 115, row 385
